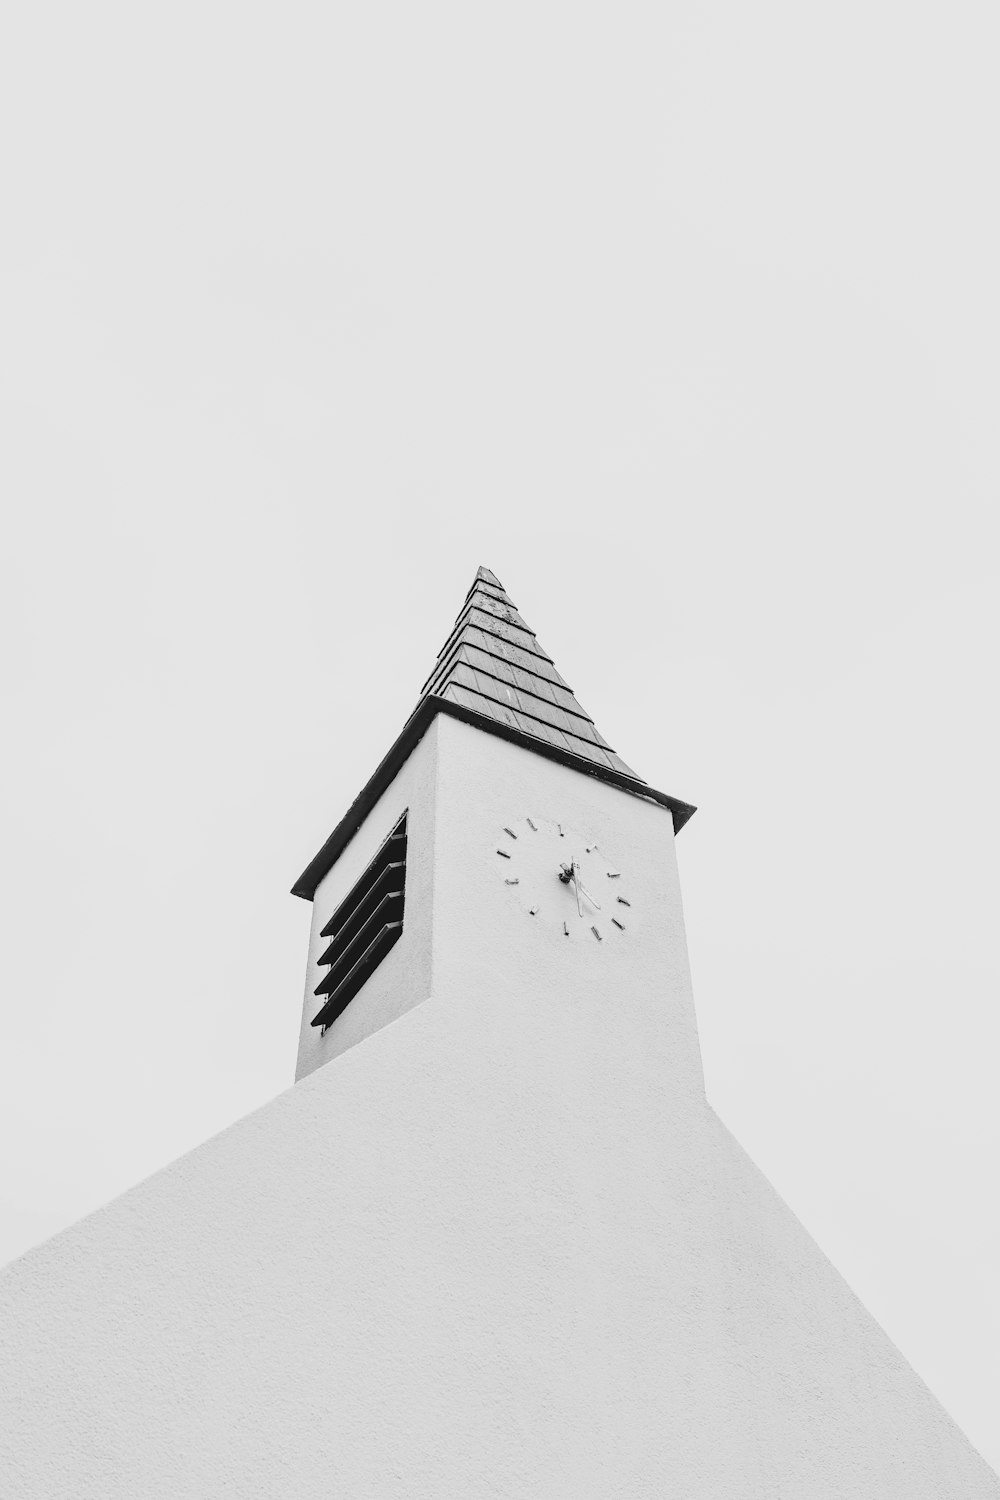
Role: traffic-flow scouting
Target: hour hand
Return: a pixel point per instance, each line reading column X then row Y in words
column 567, row 874
column 581, row 887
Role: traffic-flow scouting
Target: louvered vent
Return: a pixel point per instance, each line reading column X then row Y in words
column 364, row 927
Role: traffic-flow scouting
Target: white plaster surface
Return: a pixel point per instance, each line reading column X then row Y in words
column 502, row 1247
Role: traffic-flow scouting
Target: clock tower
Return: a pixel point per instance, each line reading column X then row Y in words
column 501, row 842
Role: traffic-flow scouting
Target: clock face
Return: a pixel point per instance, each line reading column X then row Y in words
column 564, row 880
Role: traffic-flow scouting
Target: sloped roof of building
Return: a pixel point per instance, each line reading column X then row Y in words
column 493, row 673
column 493, row 664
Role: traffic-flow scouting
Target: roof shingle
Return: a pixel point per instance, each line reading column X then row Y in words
column 493, row 664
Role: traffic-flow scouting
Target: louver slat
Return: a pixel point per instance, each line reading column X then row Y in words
column 364, row 927
column 393, row 851
column 390, row 908
column 363, row 969
column 390, row 878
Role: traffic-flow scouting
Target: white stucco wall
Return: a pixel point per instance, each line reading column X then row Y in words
column 461, row 787
column 482, row 936
column 502, row 1247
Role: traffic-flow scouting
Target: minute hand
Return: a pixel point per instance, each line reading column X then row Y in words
column 581, row 887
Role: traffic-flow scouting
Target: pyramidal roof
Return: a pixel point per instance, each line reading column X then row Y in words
column 493, row 673
column 493, row 664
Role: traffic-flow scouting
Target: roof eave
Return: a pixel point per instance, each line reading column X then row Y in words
column 413, row 731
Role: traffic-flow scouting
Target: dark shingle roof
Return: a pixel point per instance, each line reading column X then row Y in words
column 492, row 673
column 493, row 665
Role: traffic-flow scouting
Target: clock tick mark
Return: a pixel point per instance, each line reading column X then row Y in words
column 624, row 902
column 597, row 934
column 511, row 832
column 565, row 929
column 533, row 826
column 618, row 924
column 515, row 881
column 503, row 854
column 614, row 874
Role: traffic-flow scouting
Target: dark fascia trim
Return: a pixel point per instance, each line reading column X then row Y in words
column 413, row 732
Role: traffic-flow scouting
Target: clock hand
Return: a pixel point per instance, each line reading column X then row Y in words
column 576, row 887
column 581, row 887
column 568, row 873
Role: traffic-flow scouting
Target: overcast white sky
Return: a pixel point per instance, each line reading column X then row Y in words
column 684, row 319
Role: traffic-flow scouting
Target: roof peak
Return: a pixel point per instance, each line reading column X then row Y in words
column 493, row 665
column 492, row 673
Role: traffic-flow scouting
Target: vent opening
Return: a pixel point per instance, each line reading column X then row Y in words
column 363, row 929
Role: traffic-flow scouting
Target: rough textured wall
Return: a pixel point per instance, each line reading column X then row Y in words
column 500, row 1247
